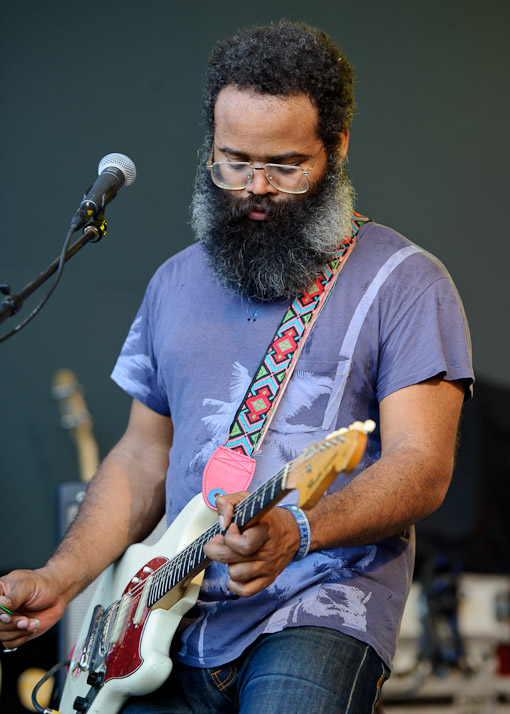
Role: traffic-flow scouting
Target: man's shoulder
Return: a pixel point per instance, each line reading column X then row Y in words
column 375, row 236
column 188, row 264
column 384, row 248
column 185, row 259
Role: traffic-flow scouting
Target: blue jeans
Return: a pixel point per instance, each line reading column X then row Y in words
column 297, row 671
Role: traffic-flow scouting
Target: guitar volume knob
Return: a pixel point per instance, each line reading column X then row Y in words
column 95, row 679
column 81, row 704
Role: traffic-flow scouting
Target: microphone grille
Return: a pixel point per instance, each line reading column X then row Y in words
column 119, row 161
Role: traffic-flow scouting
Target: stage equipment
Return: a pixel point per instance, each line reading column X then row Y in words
column 116, row 171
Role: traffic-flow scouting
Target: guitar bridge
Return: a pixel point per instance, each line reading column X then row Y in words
column 89, row 646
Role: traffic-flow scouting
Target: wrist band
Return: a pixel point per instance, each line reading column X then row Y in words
column 305, row 535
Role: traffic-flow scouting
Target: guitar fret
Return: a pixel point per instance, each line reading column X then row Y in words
column 193, row 558
column 163, row 582
column 172, row 578
column 178, row 568
column 186, row 560
column 158, row 586
column 241, row 516
column 198, row 556
column 180, row 563
column 175, row 571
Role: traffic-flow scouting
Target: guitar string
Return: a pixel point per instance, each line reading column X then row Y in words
column 299, row 466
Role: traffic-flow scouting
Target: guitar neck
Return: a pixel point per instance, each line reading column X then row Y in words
column 192, row 559
column 312, row 472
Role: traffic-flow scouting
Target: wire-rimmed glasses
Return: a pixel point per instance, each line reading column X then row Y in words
column 236, row 175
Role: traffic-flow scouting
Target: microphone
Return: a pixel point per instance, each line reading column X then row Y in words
column 115, row 171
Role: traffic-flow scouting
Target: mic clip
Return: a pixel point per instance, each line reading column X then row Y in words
column 12, row 303
column 96, row 228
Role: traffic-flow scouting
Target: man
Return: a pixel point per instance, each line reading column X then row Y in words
column 271, row 206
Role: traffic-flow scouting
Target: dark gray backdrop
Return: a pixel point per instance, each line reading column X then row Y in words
column 428, row 156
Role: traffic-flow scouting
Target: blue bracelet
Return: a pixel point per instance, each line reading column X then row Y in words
column 305, row 535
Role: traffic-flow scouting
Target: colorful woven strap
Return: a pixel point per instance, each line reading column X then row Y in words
column 256, row 411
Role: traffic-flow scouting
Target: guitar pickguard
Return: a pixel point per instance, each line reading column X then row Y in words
column 124, row 655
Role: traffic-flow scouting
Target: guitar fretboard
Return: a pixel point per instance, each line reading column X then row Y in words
column 192, row 558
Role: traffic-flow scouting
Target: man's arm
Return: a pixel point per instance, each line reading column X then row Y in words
column 418, row 434
column 124, row 502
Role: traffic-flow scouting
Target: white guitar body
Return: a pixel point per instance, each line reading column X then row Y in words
column 137, row 661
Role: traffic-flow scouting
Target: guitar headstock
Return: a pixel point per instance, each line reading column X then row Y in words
column 75, row 418
column 318, row 466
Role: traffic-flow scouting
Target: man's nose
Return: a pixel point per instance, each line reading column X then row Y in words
column 259, row 185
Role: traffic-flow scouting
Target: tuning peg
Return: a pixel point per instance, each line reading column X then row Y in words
column 366, row 427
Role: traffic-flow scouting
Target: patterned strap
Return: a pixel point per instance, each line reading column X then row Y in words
column 264, row 393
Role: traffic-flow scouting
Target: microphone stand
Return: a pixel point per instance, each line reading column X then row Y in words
column 11, row 304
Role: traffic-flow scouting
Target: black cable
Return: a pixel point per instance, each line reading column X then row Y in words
column 39, row 684
column 60, row 270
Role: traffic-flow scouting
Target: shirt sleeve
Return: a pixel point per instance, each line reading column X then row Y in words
column 431, row 338
column 136, row 370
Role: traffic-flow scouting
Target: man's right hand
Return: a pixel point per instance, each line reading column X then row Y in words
column 36, row 602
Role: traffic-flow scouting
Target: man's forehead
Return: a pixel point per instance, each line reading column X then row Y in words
column 245, row 116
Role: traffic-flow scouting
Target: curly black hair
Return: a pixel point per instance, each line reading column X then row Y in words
column 284, row 59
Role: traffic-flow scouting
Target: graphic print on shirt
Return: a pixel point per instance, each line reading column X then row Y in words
column 218, row 423
column 337, row 600
column 289, row 422
column 131, row 363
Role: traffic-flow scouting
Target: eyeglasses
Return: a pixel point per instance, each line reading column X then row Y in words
column 236, row 175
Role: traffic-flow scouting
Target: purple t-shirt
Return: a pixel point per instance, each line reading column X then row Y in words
column 393, row 319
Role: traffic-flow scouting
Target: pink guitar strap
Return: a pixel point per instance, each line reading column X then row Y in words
column 231, row 466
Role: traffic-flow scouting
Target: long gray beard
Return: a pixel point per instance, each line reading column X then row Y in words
column 280, row 257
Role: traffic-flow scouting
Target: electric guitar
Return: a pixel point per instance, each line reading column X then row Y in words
column 123, row 646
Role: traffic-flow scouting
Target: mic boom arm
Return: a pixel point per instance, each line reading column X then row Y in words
column 12, row 303
column 115, row 171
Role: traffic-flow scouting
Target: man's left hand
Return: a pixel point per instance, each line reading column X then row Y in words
column 256, row 556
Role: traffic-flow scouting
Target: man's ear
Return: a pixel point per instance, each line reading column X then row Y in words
column 343, row 144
